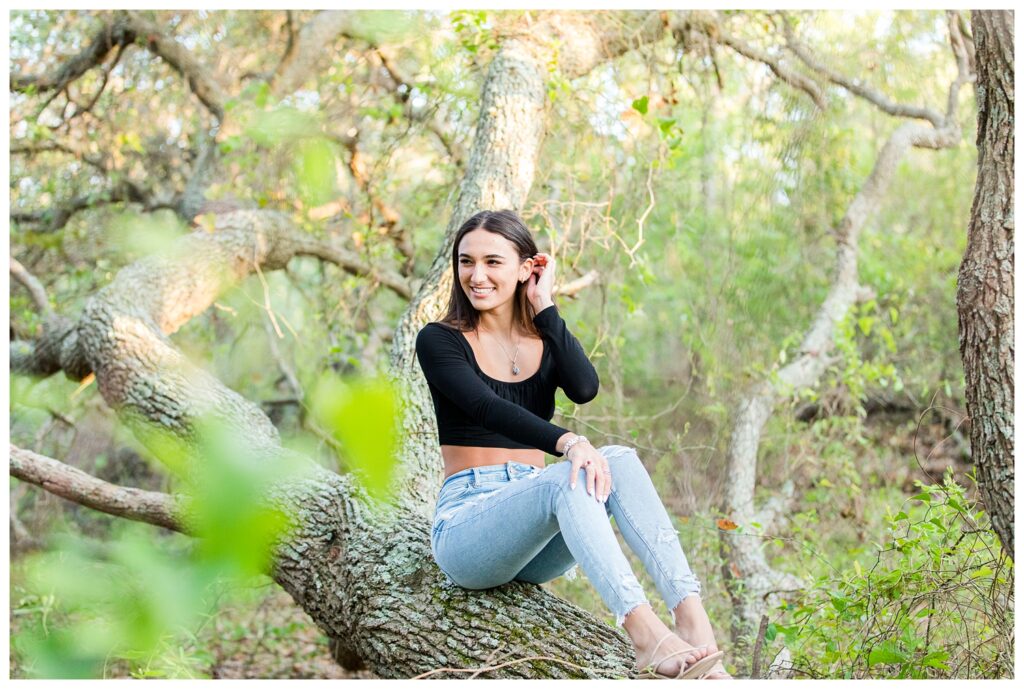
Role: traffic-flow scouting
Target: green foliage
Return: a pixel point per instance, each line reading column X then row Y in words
column 473, row 30
column 127, row 597
column 938, row 587
column 865, row 330
column 361, row 416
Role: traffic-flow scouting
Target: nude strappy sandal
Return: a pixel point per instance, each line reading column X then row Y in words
column 718, row 669
column 693, row 670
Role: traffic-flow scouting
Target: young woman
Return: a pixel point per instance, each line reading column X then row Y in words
column 492, row 365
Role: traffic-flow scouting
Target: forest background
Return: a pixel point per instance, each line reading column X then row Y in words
column 700, row 182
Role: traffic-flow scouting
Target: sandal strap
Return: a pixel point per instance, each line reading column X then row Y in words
column 656, row 662
column 662, row 640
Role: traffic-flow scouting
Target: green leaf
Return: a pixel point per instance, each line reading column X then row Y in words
column 361, row 415
column 935, row 659
column 985, row 571
column 315, row 167
column 886, row 653
column 262, row 94
column 640, row 105
column 281, row 125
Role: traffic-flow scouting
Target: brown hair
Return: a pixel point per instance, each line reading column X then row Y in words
column 461, row 313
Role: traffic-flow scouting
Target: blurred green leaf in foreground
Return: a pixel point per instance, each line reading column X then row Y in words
column 360, row 415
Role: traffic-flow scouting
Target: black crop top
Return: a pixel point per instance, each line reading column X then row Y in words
column 476, row 410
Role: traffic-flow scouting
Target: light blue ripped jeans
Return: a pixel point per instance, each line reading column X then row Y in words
column 505, row 522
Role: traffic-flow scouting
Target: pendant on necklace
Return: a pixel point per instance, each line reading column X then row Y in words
column 515, row 370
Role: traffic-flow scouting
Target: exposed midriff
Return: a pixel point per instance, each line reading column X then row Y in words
column 458, row 457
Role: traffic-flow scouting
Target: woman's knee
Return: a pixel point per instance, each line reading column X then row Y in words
column 557, row 476
column 622, row 457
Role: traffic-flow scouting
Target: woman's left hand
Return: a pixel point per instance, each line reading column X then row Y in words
column 599, row 476
column 541, row 282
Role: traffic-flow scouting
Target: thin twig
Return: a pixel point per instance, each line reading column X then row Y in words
column 266, row 293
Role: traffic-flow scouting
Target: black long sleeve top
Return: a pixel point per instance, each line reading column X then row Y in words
column 476, row 410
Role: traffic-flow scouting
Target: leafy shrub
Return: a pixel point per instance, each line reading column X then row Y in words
column 936, row 603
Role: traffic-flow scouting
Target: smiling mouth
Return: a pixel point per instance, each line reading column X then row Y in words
column 480, row 291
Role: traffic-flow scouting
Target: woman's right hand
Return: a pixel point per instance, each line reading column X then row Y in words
column 599, row 476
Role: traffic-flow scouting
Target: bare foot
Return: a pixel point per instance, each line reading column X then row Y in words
column 656, row 645
column 694, row 627
column 676, row 653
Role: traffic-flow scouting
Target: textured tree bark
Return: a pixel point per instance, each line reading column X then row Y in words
column 754, row 586
column 362, row 570
column 985, row 284
column 313, row 45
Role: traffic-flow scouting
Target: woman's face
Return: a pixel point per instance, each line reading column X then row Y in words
column 490, row 269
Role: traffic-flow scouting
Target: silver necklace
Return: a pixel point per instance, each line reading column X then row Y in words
column 515, row 368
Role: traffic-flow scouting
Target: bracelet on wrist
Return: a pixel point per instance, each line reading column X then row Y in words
column 572, row 442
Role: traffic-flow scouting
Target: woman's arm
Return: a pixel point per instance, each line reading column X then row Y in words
column 576, row 375
column 447, row 368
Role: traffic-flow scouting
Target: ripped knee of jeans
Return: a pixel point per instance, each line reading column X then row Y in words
column 667, row 535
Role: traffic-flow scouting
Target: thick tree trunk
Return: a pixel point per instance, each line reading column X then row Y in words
column 985, row 286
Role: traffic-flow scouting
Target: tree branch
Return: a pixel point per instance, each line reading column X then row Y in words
column 122, row 30
column 350, row 262
column 107, row 37
column 571, row 289
column 56, row 218
column 964, row 64
column 99, row 91
column 315, row 40
column 205, row 85
column 855, row 86
column 194, row 195
column 32, row 284
column 424, row 115
column 159, row 509
column 50, row 146
column 781, row 70
column 289, row 47
column 388, row 215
